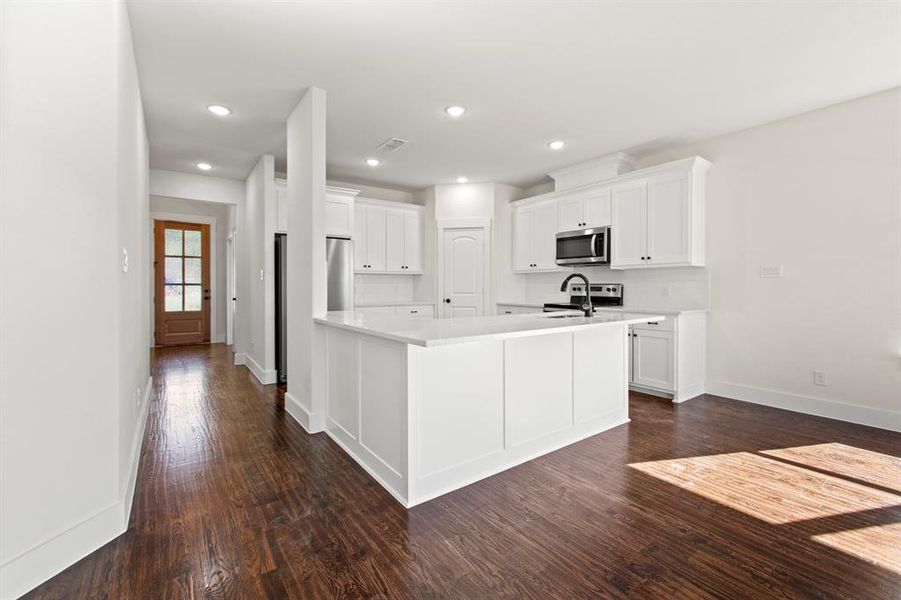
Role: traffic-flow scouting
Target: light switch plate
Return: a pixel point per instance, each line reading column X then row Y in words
column 771, row 271
column 124, row 260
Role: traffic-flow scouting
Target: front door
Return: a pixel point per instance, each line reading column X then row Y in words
column 464, row 268
column 181, row 283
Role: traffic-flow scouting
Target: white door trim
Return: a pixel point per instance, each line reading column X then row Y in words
column 186, row 218
column 483, row 224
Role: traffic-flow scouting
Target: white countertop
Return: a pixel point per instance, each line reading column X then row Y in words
column 436, row 332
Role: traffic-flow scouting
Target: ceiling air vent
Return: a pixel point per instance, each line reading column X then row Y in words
column 391, row 145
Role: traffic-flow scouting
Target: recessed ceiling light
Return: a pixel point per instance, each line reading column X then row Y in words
column 373, row 162
column 455, row 111
column 219, row 110
column 204, row 166
column 462, row 179
column 556, row 145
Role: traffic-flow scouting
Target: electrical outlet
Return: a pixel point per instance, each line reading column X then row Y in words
column 771, row 271
column 668, row 291
column 138, row 396
column 819, row 378
column 261, row 274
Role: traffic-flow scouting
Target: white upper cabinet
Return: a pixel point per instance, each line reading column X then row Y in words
column 387, row 237
column 338, row 211
column 657, row 216
column 584, row 209
column 535, row 237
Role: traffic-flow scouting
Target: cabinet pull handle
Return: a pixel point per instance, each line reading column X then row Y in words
column 653, row 322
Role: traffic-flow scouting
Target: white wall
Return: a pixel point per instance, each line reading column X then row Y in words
column 191, row 186
column 818, row 193
column 205, row 211
column 307, row 279
column 256, row 300
column 70, row 422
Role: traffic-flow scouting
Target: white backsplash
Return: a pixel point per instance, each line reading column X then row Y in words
column 686, row 287
column 370, row 289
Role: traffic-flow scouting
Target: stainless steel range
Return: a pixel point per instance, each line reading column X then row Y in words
column 602, row 295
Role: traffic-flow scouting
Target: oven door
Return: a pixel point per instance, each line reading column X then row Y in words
column 585, row 247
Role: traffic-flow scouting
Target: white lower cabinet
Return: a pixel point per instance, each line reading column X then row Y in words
column 668, row 356
column 413, row 310
column 516, row 309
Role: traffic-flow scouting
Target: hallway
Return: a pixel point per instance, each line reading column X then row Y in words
column 235, row 500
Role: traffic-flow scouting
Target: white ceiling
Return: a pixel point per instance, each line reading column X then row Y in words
column 603, row 76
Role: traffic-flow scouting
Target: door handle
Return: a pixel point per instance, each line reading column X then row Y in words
column 447, row 300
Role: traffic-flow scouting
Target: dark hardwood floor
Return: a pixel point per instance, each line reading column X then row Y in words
column 712, row 498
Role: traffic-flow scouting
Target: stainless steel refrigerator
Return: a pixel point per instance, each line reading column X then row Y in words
column 339, row 254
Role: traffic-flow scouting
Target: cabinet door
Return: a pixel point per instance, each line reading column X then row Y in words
column 523, row 235
column 653, row 363
column 422, row 311
column 413, row 242
column 359, row 239
column 596, row 208
column 375, row 240
column 281, row 208
column 544, row 241
column 628, row 227
column 383, row 311
column 506, row 309
column 394, row 241
column 668, row 219
column 569, row 214
column 339, row 216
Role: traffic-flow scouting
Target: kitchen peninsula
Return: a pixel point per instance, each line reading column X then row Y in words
column 428, row 406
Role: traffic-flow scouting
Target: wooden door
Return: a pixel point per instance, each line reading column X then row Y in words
column 181, row 283
column 464, row 268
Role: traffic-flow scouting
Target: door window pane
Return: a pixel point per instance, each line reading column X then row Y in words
column 173, row 298
column 193, row 270
column 173, row 270
column 173, row 242
column 192, row 243
column 193, row 297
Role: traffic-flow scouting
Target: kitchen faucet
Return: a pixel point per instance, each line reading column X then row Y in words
column 586, row 306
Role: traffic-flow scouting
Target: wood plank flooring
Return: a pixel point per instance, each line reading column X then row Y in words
column 709, row 499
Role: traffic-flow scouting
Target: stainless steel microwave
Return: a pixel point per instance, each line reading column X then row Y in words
column 584, row 247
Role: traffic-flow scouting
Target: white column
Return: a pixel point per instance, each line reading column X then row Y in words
column 306, row 258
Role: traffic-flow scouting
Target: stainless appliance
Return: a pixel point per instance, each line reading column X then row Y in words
column 584, row 247
column 602, row 295
column 281, row 307
column 339, row 252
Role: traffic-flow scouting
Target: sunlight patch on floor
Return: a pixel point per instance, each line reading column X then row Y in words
column 880, row 544
column 863, row 465
column 768, row 489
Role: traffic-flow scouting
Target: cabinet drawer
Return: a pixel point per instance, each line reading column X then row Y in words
column 427, row 311
column 668, row 324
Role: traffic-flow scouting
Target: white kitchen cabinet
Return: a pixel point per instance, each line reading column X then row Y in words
column 657, row 216
column 584, row 209
column 426, row 311
column 535, row 237
column 517, row 309
column 668, row 356
column 390, row 311
column 338, row 212
column 388, row 237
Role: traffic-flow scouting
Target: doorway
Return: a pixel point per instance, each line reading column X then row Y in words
column 181, row 283
column 463, row 273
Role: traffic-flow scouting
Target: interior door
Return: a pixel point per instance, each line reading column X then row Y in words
column 464, row 273
column 628, row 231
column 668, row 219
column 181, row 283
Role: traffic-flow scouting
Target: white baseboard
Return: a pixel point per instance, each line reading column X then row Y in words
column 311, row 422
column 863, row 415
column 265, row 377
column 218, row 339
column 41, row 562
column 137, row 442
